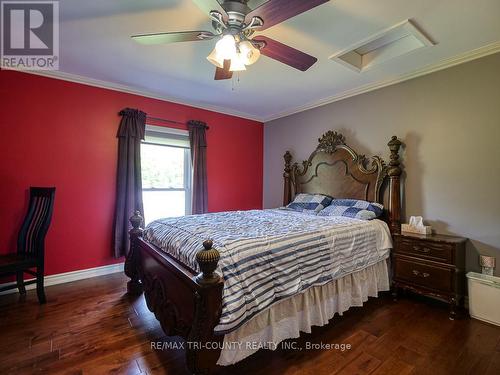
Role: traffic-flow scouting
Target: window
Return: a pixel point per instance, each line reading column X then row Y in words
column 166, row 173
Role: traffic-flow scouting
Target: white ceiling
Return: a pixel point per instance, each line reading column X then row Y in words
column 96, row 44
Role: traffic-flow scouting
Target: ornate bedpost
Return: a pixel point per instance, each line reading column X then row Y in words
column 208, row 308
column 134, row 286
column 207, row 259
column 287, row 193
column 394, row 171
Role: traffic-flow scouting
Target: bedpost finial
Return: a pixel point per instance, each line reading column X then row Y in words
column 288, row 161
column 394, row 143
column 394, row 164
column 136, row 221
column 208, row 244
column 207, row 259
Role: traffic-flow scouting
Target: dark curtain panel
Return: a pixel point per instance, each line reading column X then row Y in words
column 128, row 178
column 198, row 141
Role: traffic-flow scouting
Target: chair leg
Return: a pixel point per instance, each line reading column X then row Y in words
column 39, row 287
column 20, row 282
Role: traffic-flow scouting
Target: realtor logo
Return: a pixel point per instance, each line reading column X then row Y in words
column 30, row 35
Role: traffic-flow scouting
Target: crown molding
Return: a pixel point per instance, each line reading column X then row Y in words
column 56, row 74
column 444, row 64
column 486, row 50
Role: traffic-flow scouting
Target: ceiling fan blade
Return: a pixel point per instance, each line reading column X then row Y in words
column 207, row 6
column 224, row 73
column 277, row 11
column 285, row 54
column 182, row 36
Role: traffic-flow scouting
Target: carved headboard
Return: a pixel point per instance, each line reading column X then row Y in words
column 335, row 169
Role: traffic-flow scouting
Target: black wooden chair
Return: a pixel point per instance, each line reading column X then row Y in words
column 31, row 243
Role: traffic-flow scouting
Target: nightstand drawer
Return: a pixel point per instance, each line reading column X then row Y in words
column 441, row 252
column 424, row 274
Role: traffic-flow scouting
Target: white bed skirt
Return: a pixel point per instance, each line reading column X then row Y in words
column 314, row 307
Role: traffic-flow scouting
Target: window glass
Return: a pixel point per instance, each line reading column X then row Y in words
column 166, row 175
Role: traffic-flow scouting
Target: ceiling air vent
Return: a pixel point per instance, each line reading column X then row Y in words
column 393, row 42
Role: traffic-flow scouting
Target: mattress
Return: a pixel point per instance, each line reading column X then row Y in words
column 270, row 255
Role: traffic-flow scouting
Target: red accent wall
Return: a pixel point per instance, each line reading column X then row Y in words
column 63, row 134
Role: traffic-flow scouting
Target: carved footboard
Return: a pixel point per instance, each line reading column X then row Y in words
column 185, row 304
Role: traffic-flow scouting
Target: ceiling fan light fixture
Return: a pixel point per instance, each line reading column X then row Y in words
column 226, row 47
column 237, row 65
column 248, row 53
column 234, row 23
column 216, row 59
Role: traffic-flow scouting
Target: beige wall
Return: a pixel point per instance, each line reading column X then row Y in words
column 450, row 123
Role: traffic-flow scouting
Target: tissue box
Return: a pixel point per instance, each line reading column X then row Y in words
column 425, row 230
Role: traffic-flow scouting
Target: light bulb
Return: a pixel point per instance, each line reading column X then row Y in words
column 248, row 53
column 226, row 47
column 237, row 65
column 216, row 59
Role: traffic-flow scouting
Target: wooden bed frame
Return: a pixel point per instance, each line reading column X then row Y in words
column 189, row 305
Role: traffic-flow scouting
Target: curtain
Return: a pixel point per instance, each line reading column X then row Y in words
column 128, row 178
column 198, row 142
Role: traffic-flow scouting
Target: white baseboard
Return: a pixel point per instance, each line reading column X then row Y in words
column 67, row 277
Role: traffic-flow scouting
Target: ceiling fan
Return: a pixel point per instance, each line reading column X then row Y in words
column 234, row 24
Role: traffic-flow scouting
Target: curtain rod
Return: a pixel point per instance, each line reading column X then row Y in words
column 168, row 121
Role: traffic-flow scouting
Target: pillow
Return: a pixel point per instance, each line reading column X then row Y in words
column 357, row 209
column 309, row 202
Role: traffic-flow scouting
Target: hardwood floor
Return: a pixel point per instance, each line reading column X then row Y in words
column 92, row 327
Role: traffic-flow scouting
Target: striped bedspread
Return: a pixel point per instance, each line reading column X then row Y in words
column 268, row 255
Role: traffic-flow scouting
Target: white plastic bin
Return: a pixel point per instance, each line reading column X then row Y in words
column 484, row 297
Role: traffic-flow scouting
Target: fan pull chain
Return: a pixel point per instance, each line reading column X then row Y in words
column 233, row 85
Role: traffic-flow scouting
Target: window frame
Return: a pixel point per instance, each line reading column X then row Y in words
column 188, row 170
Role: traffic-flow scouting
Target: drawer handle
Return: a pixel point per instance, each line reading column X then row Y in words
column 422, row 249
column 421, row 274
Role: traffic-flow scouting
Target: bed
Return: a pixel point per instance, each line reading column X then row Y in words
column 261, row 276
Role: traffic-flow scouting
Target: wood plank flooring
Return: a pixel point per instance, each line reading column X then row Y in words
column 93, row 327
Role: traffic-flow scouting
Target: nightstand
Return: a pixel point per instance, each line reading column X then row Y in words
column 432, row 265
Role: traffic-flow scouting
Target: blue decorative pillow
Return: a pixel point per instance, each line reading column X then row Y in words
column 309, row 202
column 357, row 209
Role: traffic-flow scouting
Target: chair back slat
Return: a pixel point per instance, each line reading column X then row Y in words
column 36, row 223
